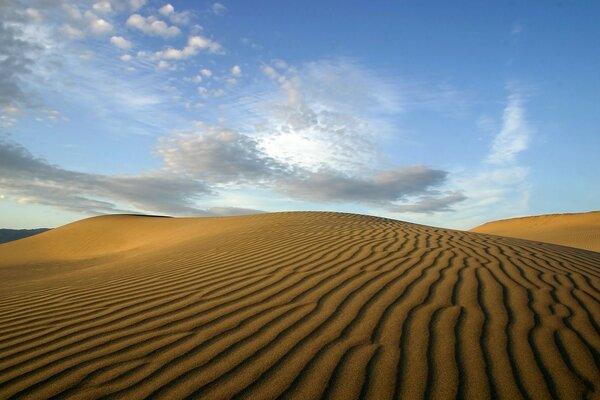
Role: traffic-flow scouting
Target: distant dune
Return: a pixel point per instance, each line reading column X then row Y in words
column 8, row 235
column 575, row 230
column 294, row 305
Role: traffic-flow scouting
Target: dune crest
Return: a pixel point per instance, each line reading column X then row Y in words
column 296, row 305
column 580, row 230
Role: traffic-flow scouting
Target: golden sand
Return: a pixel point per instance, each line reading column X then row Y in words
column 294, row 305
column 575, row 230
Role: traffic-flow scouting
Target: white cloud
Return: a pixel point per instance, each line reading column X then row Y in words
column 178, row 18
column 102, row 7
column 126, row 57
column 195, row 44
column 121, row 42
column 499, row 188
column 515, row 134
column 325, row 114
column 162, row 64
column 219, row 9
column 166, row 10
column 97, row 26
column 152, row 26
column 207, row 73
column 236, row 71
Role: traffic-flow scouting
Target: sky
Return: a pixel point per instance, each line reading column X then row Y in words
column 441, row 113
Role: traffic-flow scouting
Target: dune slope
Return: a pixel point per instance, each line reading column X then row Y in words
column 581, row 230
column 294, row 305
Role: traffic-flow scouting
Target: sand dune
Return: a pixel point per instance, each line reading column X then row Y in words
column 294, row 305
column 581, row 230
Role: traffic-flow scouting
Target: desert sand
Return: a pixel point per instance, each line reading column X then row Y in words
column 581, row 230
column 294, row 305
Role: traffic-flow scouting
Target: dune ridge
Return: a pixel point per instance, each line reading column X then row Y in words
column 580, row 230
column 294, row 305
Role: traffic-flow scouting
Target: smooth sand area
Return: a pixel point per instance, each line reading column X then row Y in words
column 581, row 230
column 294, row 305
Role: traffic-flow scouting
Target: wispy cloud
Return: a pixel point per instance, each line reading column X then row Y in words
column 514, row 137
column 28, row 179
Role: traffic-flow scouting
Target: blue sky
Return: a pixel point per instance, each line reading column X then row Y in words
column 442, row 113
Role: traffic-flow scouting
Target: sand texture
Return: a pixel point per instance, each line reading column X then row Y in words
column 294, row 305
column 580, row 230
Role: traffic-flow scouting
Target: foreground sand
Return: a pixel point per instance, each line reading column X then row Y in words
column 294, row 305
column 581, row 230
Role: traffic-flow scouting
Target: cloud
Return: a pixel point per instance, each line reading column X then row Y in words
column 98, row 26
column 71, row 32
column 178, row 18
column 236, row 71
column 17, row 58
column 515, row 134
column 121, row 42
column 218, row 156
column 326, row 114
column 382, row 188
column 166, row 10
column 102, row 7
column 498, row 188
column 219, row 9
column 195, row 44
column 222, row 157
column 152, row 26
column 29, row 179
column 431, row 204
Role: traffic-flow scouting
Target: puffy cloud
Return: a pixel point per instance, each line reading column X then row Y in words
column 98, row 26
column 236, row 71
column 195, row 44
column 166, row 10
column 178, row 18
column 207, row 73
column 431, row 204
column 121, row 42
column 126, row 57
column 515, row 134
column 218, row 9
column 152, row 26
column 102, row 7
